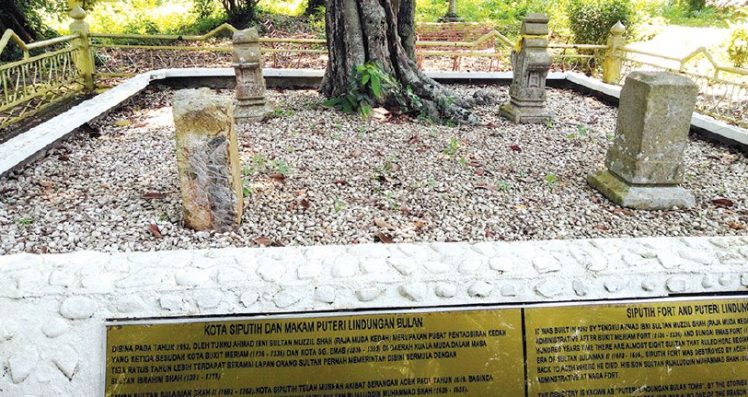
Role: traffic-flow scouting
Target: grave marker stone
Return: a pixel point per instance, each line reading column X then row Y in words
column 645, row 162
column 530, row 63
column 208, row 160
column 250, row 85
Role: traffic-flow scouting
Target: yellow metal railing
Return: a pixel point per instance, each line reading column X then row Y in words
column 53, row 70
column 36, row 82
column 723, row 90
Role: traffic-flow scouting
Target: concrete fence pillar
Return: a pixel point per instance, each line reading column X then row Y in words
column 613, row 63
column 84, row 60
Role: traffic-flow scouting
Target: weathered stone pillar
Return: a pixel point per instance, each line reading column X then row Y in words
column 530, row 63
column 645, row 162
column 250, row 85
column 208, row 160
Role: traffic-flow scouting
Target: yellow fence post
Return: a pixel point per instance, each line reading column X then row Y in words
column 84, row 60
column 613, row 62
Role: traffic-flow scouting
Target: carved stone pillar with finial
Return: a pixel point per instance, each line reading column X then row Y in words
column 84, row 59
column 250, row 85
column 530, row 64
column 613, row 63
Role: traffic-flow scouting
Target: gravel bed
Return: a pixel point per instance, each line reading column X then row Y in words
column 318, row 176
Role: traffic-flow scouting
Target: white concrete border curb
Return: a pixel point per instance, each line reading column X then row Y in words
column 54, row 306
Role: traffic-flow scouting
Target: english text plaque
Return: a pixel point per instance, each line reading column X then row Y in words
column 669, row 348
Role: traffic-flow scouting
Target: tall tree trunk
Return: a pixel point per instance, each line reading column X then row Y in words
column 12, row 17
column 360, row 31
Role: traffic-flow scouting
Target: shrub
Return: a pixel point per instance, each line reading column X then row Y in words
column 737, row 50
column 590, row 20
column 203, row 8
column 694, row 5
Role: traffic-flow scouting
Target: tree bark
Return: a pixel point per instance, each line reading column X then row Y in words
column 12, row 17
column 360, row 31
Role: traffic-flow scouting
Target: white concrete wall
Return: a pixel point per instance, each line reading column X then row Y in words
column 53, row 307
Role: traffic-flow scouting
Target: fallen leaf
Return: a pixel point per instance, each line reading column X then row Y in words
column 382, row 224
column 380, row 114
column 262, row 241
column 93, row 132
column 383, row 238
column 475, row 164
column 482, row 186
column 419, row 225
column 414, row 139
column 515, row 148
column 305, row 204
column 46, row 183
column 155, row 231
column 736, row 226
column 723, row 202
column 601, row 227
column 490, row 125
column 64, row 157
column 154, row 195
column 278, row 177
column 489, row 233
column 122, row 123
column 623, row 211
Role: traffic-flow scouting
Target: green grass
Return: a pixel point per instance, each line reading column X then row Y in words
column 708, row 17
column 283, row 7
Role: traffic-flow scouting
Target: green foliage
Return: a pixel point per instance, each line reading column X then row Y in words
column 279, row 112
column 551, row 180
column 694, row 5
column 25, row 221
column 590, row 20
column 505, row 15
column 582, row 132
column 281, row 167
column 680, row 13
column 339, row 205
column 203, row 8
column 737, row 50
column 453, row 146
column 371, row 86
column 283, row 7
column 240, row 12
